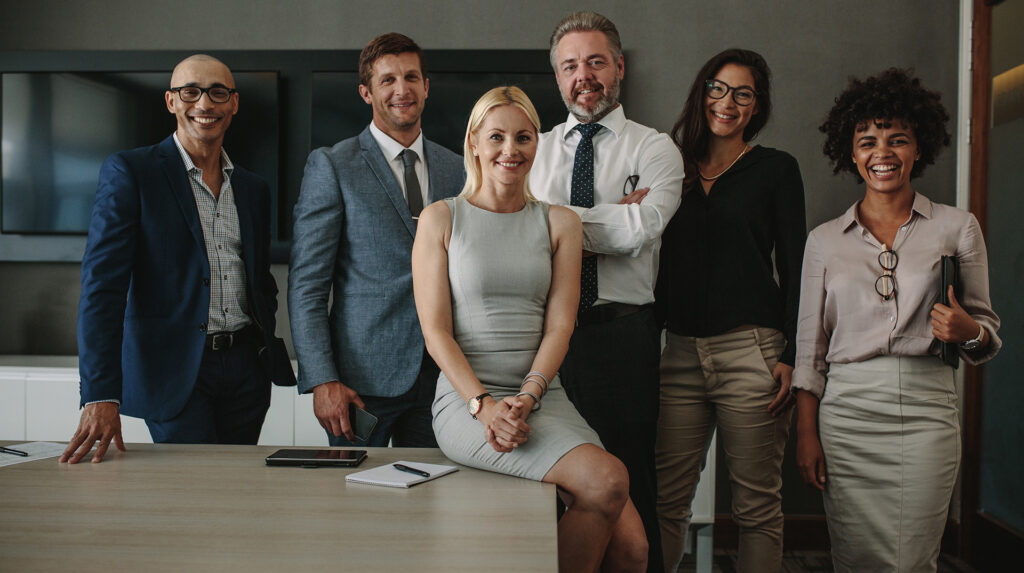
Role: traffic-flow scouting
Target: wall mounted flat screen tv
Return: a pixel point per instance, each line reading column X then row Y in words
column 339, row 113
column 64, row 112
column 57, row 128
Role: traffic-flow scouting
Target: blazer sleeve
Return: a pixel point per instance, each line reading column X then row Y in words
column 319, row 215
column 106, row 276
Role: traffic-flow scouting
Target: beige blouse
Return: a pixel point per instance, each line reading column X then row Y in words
column 843, row 319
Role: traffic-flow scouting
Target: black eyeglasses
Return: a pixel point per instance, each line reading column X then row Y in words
column 885, row 285
column 191, row 94
column 630, row 184
column 717, row 89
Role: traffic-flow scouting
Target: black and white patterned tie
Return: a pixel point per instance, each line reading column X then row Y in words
column 412, row 183
column 582, row 195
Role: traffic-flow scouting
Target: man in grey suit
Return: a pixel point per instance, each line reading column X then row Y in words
column 355, row 221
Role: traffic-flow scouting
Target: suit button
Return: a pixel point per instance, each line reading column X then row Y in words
column 206, row 282
column 202, row 327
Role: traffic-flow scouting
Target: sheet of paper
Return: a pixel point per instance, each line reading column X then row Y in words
column 35, row 451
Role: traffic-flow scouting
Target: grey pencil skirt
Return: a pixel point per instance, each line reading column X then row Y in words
column 890, row 432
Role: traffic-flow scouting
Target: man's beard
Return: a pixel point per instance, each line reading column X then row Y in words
column 604, row 105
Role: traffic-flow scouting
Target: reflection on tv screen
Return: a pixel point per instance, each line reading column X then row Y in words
column 57, row 128
column 339, row 112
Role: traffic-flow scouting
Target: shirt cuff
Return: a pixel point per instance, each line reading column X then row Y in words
column 114, row 400
column 811, row 381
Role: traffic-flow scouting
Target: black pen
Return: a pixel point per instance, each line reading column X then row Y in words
column 409, row 470
column 20, row 453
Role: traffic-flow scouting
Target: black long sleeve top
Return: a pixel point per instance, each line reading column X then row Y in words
column 717, row 271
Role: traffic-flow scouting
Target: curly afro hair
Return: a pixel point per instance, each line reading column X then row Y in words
column 893, row 95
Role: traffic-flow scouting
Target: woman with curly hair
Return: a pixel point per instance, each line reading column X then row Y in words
column 730, row 346
column 877, row 425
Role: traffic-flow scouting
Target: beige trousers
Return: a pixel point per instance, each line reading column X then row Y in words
column 723, row 381
column 890, row 431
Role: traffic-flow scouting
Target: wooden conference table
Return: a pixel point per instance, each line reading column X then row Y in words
column 164, row 507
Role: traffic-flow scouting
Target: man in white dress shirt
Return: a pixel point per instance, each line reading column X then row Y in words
column 624, row 180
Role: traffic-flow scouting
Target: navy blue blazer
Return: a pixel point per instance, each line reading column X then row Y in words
column 146, row 281
column 353, row 241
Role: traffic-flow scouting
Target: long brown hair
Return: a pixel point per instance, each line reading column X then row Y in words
column 691, row 131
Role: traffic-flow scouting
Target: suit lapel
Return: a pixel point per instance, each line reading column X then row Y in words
column 379, row 165
column 438, row 179
column 180, row 187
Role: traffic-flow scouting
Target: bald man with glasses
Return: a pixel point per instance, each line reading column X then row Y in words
column 176, row 319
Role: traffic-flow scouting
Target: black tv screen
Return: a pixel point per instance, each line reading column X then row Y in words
column 338, row 111
column 57, row 128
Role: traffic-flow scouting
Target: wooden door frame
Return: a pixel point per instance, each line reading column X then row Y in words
column 984, row 541
column 981, row 95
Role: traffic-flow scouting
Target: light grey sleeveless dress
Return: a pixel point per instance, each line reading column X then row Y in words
column 499, row 268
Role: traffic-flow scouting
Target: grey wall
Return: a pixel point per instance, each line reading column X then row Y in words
column 812, row 46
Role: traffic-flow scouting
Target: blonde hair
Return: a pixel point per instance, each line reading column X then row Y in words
column 496, row 97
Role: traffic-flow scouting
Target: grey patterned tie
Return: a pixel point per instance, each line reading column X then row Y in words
column 412, row 183
column 581, row 194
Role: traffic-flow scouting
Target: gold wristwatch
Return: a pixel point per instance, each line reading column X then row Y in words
column 476, row 404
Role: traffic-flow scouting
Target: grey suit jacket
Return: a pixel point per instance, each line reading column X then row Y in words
column 353, row 239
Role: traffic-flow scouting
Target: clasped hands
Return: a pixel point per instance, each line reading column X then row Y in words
column 504, row 421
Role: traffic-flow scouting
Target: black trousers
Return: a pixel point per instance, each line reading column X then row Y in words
column 611, row 375
column 228, row 404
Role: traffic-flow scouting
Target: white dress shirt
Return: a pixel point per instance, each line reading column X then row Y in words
column 627, row 238
column 392, row 151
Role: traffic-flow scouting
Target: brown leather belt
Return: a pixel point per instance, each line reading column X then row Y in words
column 607, row 313
column 225, row 340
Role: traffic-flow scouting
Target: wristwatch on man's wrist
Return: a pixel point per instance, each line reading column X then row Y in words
column 476, row 404
column 973, row 343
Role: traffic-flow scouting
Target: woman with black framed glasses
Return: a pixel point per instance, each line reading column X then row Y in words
column 731, row 326
column 883, row 444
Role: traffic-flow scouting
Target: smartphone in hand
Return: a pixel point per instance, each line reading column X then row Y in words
column 362, row 422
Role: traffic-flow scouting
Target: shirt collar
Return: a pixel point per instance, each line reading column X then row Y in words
column 848, row 218
column 922, row 206
column 615, row 121
column 391, row 148
column 225, row 163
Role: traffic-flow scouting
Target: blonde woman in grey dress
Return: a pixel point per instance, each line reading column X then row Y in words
column 496, row 276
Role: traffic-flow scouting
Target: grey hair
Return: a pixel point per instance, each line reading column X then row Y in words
column 585, row 22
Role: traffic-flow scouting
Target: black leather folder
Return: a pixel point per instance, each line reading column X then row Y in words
column 950, row 276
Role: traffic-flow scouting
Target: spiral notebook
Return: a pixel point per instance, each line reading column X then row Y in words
column 388, row 476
